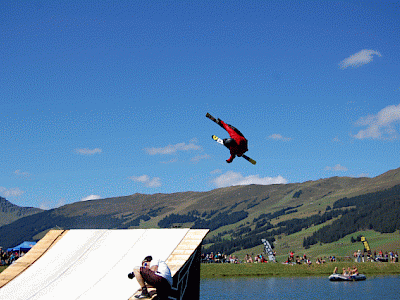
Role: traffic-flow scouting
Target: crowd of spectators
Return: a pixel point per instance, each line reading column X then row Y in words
column 257, row 259
column 260, row 258
column 218, row 258
column 8, row 257
column 297, row 259
column 292, row 259
column 222, row 258
column 358, row 257
column 376, row 256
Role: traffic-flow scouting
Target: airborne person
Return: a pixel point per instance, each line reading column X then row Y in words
column 237, row 143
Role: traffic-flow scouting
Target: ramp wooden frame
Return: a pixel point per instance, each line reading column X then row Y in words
column 37, row 251
column 184, row 262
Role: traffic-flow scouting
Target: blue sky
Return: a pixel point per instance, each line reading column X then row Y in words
column 108, row 98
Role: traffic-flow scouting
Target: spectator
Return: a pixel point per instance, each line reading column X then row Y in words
column 354, row 271
column 248, row 259
column 291, row 256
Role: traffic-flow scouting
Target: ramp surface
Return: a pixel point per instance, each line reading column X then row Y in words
column 92, row 264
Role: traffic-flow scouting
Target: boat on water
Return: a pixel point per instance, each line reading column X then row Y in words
column 340, row 277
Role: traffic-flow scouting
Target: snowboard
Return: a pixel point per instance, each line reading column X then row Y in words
column 220, row 141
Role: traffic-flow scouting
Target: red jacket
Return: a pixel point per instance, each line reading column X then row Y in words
column 240, row 140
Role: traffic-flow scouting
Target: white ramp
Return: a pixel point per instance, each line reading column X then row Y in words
column 92, row 264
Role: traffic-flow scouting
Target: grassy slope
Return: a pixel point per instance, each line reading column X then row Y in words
column 281, row 270
column 255, row 199
column 342, row 248
column 16, row 213
column 315, row 197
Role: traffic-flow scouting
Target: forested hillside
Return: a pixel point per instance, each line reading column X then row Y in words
column 378, row 211
column 239, row 216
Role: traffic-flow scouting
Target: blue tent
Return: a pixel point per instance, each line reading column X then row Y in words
column 25, row 247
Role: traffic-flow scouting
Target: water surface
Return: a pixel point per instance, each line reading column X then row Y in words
column 380, row 287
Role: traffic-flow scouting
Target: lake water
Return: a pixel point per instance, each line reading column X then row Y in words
column 380, row 287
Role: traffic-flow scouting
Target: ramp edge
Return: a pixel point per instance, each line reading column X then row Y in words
column 37, row 251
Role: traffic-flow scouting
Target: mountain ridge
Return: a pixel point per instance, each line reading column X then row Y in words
column 239, row 204
column 10, row 212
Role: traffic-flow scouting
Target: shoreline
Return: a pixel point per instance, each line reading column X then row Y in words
column 215, row 270
column 227, row 270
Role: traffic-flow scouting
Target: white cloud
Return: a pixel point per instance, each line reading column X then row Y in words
column 13, row 192
column 363, row 175
column 171, row 161
column 86, row 151
column 338, row 167
column 49, row 205
column 170, row 149
column 279, row 137
column 231, row 178
column 216, row 171
column 200, row 157
column 60, row 202
column 360, row 58
column 147, row 181
column 44, row 205
column 381, row 125
column 91, row 197
column 22, row 174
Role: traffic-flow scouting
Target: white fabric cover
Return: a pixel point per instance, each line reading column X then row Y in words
column 92, row 264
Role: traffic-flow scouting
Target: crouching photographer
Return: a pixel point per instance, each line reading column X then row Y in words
column 155, row 273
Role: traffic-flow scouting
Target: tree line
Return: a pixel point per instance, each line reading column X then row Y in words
column 378, row 211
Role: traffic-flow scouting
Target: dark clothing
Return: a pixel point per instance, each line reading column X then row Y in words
column 240, row 145
column 160, row 283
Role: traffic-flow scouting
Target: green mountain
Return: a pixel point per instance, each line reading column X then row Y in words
column 238, row 217
column 10, row 212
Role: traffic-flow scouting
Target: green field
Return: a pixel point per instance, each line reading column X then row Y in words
column 340, row 249
column 282, row 270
